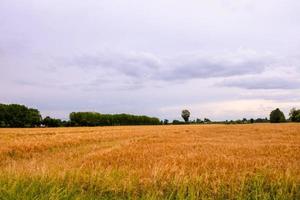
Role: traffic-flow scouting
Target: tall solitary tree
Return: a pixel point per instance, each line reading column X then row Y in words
column 277, row 116
column 185, row 114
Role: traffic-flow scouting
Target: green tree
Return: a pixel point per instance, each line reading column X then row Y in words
column 206, row 121
column 15, row 115
column 97, row 119
column 33, row 117
column 185, row 114
column 51, row 122
column 294, row 115
column 298, row 117
column 3, row 115
column 175, row 121
column 277, row 116
column 199, row 121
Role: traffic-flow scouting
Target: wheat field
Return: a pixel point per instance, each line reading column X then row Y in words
column 253, row 161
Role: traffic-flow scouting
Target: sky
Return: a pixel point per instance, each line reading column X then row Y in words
column 221, row 59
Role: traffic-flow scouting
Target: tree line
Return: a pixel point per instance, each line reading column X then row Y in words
column 97, row 119
column 15, row 115
column 276, row 116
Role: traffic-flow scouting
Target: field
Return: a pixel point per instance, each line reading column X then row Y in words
column 254, row 161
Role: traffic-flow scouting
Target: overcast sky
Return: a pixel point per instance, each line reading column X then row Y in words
column 221, row 59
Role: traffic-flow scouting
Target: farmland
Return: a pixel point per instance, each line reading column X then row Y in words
column 253, row 161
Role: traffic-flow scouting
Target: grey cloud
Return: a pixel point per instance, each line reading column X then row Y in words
column 66, row 59
column 47, row 85
column 209, row 69
column 132, row 65
column 262, row 83
column 104, row 84
column 98, row 84
column 177, row 69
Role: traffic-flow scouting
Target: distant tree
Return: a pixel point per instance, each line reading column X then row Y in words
column 51, row 122
column 207, row 121
column 298, row 118
column 177, row 122
column 277, row 116
column 33, row 117
column 166, row 121
column 294, row 115
column 97, row 119
column 66, row 123
column 261, row 120
column 199, row 121
column 3, row 114
column 185, row 114
column 15, row 115
column 251, row 120
column 238, row 121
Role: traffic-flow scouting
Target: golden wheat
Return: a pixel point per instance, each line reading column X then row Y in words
column 151, row 153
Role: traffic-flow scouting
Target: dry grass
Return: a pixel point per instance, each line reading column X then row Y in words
column 219, row 154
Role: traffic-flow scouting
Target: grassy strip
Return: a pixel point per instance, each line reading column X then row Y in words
column 255, row 187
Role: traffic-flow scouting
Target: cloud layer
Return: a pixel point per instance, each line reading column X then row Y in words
column 144, row 57
column 263, row 83
column 183, row 67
